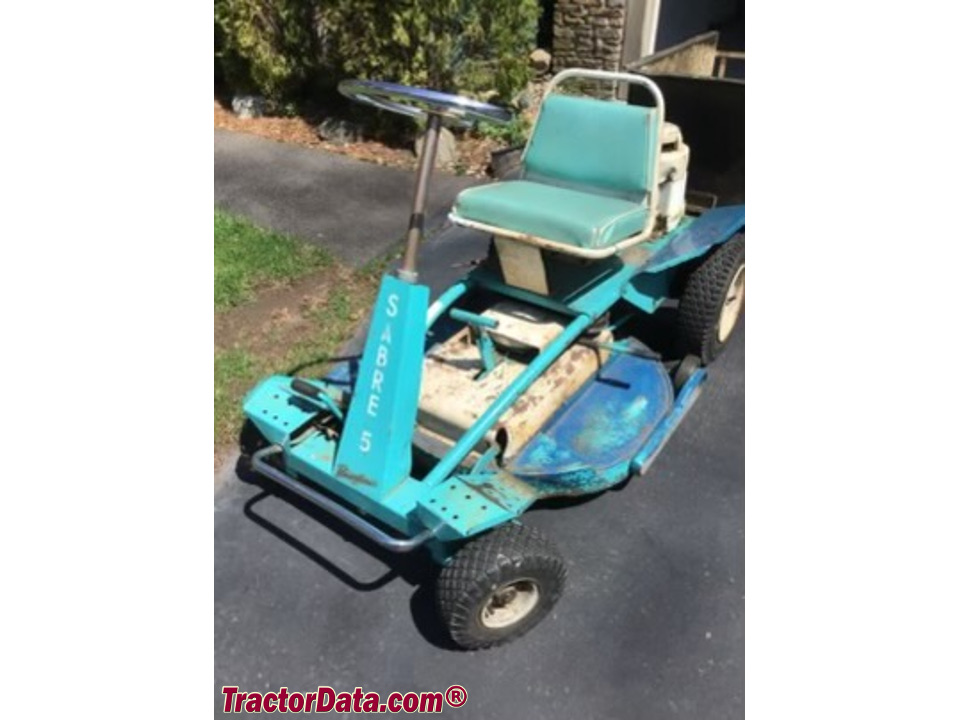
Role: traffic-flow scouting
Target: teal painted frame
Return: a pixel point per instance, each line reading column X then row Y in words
column 452, row 501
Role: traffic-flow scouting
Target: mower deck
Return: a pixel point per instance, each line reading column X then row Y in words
column 460, row 383
column 592, row 440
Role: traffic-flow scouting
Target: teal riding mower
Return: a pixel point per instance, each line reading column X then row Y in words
column 523, row 380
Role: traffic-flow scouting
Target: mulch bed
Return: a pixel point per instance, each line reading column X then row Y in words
column 473, row 152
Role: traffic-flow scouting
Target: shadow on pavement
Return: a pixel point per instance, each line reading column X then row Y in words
column 415, row 569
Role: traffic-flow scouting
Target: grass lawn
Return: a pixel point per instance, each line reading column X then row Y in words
column 246, row 258
column 280, row 306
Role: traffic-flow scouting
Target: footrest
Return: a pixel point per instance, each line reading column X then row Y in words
column 469, row 505
column 277, row 410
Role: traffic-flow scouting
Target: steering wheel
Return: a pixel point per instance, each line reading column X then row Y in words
column 436, row 108
column 419, row 102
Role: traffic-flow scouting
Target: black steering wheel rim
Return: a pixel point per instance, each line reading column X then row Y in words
column 419, row 102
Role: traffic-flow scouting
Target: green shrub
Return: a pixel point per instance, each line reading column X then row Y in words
column 265, row 46
column 473, row 47
column 476, row 47
column 512, row 134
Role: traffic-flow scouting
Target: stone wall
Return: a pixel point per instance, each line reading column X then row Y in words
column 588, row 34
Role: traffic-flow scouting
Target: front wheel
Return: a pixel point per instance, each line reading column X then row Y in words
column 499, row 586
column 712, row 301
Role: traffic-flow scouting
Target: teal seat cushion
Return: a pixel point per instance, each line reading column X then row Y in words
column 561, row 214
column 587, row 176
column 599, row 146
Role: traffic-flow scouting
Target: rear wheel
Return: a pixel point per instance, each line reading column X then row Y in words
column 712, row 301
column 499, row 586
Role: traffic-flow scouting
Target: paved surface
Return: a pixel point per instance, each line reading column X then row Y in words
column 357, row 210
column 651, row 625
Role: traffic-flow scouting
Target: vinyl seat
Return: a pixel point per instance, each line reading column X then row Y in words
column 586, row 178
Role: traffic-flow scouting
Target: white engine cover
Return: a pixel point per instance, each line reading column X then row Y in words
column 672, row 176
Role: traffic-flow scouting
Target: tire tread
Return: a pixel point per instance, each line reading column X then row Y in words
column 481, row 565
column 703, row 298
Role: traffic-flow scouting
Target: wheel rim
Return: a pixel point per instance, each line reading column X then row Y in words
column 509, row 604
column 732, row 304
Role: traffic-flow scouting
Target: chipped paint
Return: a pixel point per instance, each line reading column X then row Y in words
column 456, row 391
column 589, row 443
column 354, row 478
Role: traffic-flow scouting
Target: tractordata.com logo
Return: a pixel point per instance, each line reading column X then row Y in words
column 326, row 699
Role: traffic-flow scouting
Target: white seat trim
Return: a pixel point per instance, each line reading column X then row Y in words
column 547, row 244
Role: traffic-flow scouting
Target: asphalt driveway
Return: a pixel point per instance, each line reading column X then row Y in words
column 354, row 209
column 651, row 625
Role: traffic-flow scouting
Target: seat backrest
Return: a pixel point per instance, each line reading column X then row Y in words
column 600, row 146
